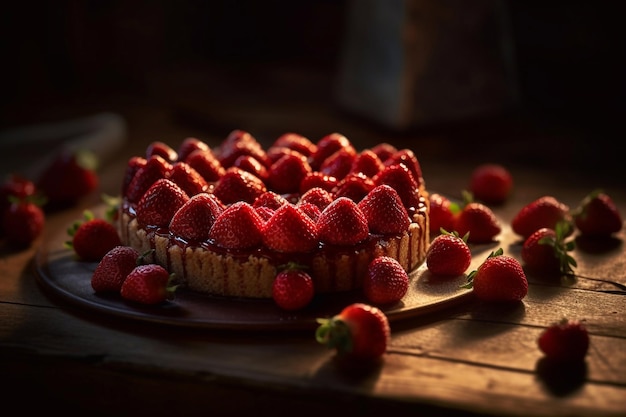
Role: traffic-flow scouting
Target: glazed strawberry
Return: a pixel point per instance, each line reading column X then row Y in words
column 384, row 150
column 400, row 178
column 342, row 223
column 407, row 158
column 113, row 269
column 269, row 199
column 190, row 145
column 355, row 186
column 385, row 282
column 296, row 142
column 134, row 164
column 310, row 210
column 359, row 332
column 290, row 230
column 565, row 342
column 188, row 179
column 367, row 163
column 546, row 211
column 92, row 237
column 384, row 211
column 155, row 168
column 339, row 163
column 158, row 205
column 286, row 174
column 264, row 212
column 148, row 284
column 238, row 185
column 237, row 227
column 162, row 149
column 244, row 144
column 69, row 177
column 292, row 288
column 317, row 179
column 546, row 250
column 597, row 215
column 442, row 214
column 500, row 278
column 491, row 183
column 448, row 254
column 478, row 222
column 195, row 218
column 318, row 196
column 23, row 221
column 274, row 153
column 250, row 164
column 327, row 146
column 207, row 165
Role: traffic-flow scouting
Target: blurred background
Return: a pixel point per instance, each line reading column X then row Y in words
column 540, row 82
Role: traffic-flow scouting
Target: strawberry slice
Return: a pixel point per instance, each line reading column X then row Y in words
column 237, row 227
column 159, row 204
column 342, row 223
column 193, row 221
column 290, row 230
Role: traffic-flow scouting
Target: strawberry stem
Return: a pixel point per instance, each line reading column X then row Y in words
column 334, row 333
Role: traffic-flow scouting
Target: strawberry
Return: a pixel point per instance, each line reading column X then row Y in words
column 159, row 204
column 597, row 215
column 290, row 230
column 327, row 146
column 318, row 196
column 148, row 284
column 491, row 183
column 384, row 150
column 237, row 227
column 400, row 178
column 448, row 254
column 296, row 142
column 113, row 269
column 317, row 179
column 359, row 332
column 69, row 177
column 187, row 178
column 155, row 168
column 546, row 211
column 250, row 164
column 385, row 282
column 355, row 186
column 500, row 278
column 339, row 163
column 134, row 164
column 286, row 174
column 238, row 185
column 92, row 237
column 207, row 164
column 190, row 145
column 23, row 221
column 564, row 342
column 269, row 199
column 442, row 213
column 241, row 144
column 310, row 210
column 274, row 153
column 195, row 218
column 292, row 288
column 342, row 223
column 384, row 211
column 407, row 158
column 162, row 149
column 367, row 163
column 545, row 251
column 14, row 186
column 478, row 222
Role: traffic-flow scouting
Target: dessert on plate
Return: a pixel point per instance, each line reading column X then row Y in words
column 225, row 219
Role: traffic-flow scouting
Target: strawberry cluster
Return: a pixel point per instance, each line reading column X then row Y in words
column 293, row 197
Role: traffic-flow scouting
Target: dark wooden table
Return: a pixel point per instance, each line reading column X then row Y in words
column 469, row 358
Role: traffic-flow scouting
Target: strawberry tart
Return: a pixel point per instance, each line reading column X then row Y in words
column 224, row 219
